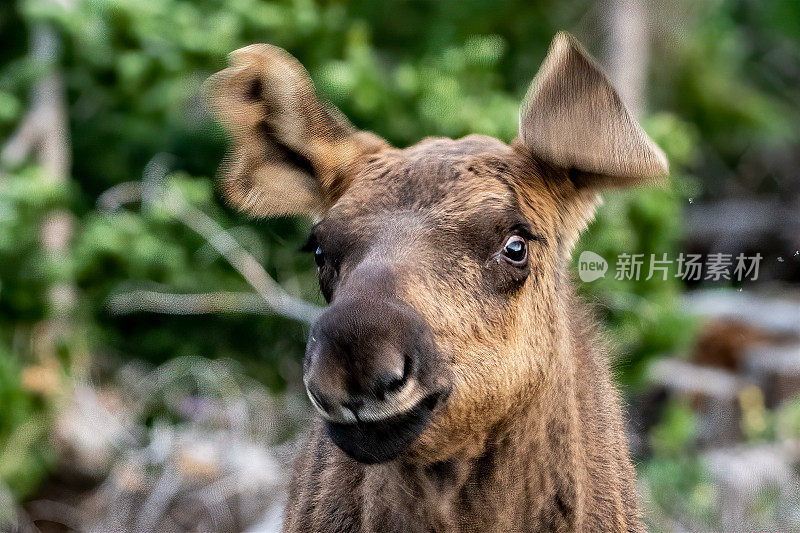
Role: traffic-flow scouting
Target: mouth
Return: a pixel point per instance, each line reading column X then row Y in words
column 383, row 440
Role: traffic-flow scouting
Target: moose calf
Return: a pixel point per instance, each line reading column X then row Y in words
column 459, row 384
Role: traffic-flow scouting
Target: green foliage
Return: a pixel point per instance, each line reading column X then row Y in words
column 681, row 487
column 677, row 483
column 787, row 423
column 146, row 247
column 25, row 455
column 674, row 433
column 733, row 73
column 26, row 270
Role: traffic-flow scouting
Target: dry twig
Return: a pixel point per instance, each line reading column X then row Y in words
column 269, row 295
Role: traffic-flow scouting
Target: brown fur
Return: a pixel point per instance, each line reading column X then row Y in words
column 526, row 433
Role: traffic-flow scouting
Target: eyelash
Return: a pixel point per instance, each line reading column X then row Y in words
column 524, row 231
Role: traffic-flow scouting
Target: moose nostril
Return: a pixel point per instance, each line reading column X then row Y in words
column 319, row 399
column 388, row 383
column 395, row 384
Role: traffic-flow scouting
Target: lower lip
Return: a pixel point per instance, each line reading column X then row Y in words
column 384, row 440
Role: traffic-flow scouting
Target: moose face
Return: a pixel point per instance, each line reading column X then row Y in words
column 442, row 263
column 425, row 260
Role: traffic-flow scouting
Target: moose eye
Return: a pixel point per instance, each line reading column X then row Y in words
column 319, row 257
column 515, row 250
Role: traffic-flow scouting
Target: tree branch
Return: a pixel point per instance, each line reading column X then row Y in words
column 270, row 293
column 240, row 259
column 628, row 51
column 44, row 128
column 187, row 304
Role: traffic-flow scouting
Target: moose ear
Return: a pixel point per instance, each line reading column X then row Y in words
column 291, row 153
column 572, row 118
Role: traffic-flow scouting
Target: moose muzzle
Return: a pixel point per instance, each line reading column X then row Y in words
column 370, row 372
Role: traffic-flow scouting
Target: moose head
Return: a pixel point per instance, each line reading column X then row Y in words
column 444, row 263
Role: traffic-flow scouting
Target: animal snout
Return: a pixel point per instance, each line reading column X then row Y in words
column 364, row 361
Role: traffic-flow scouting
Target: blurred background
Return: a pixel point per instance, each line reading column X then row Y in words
column 147, row 385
